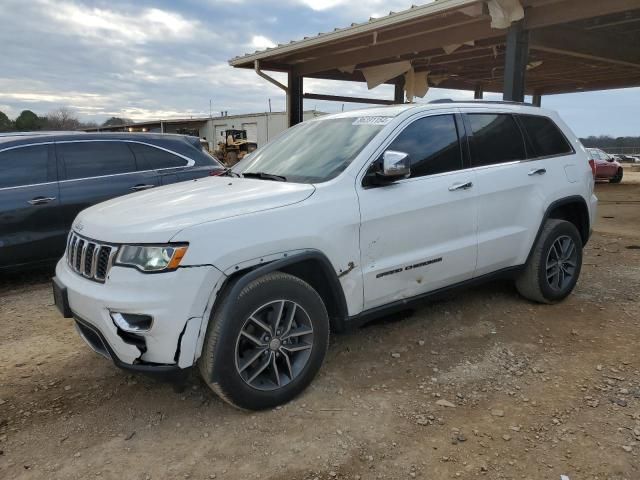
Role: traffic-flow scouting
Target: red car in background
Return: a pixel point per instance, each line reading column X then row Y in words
column 604, row 166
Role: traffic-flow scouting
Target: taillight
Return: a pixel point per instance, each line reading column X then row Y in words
column 592, row 164
column 216, row 173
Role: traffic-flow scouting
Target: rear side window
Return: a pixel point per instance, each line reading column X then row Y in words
column 432, row 145
column 152, row 158
column 25, row 166
column 496, row 139
column 545, row 137
column 95, row 159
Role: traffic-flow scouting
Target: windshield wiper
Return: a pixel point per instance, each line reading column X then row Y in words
column 264, row 176
column 230, row 173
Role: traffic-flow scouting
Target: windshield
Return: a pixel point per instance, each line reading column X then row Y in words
column 311, row 152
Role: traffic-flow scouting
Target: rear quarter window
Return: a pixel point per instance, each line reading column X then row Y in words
column 152, row 158
column 545, row 138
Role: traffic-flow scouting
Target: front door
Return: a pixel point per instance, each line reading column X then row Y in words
column 31, row 227
column 419, row 234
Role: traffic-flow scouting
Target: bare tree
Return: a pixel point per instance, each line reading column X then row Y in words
column 62, row 119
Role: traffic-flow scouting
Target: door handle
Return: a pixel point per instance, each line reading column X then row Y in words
column 460, row 186
column 537, row 171
column 41, row 200
column 141, row 186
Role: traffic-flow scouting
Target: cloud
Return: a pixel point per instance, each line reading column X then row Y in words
column 138, row 26
column 374, row 8
column 260, row 42
column 125, row 58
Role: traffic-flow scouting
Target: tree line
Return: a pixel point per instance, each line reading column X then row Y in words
column 59, row 119
column 608, row 142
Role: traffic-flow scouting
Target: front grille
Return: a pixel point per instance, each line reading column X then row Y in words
column 89, row 258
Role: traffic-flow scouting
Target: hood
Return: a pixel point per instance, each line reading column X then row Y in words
column 156, row 215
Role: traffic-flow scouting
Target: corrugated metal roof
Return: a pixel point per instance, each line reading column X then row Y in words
column 415, row 11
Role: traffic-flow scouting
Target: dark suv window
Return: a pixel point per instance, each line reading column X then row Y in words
column 95, row 159
column 545, row 137
column 152, row 158
column 496, row 139
column 432, row 145
column 25, row 166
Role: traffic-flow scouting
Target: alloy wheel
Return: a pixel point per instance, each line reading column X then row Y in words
column 561, row 263
column 274, row 345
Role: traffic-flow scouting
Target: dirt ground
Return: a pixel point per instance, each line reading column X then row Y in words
column 481, row 385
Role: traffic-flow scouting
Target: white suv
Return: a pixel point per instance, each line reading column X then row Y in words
column 338, row 220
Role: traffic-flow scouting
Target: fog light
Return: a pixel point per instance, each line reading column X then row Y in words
column 130, row 322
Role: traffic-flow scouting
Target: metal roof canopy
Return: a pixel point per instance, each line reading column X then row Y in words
column 560, row 46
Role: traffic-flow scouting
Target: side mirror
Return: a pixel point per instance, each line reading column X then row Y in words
column 395, row 165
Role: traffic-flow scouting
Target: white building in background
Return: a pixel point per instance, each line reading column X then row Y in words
column 260, row 127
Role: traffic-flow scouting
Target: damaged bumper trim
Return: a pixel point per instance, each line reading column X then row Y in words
column 99, row 344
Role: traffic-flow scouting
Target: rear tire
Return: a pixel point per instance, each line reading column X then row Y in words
column 618, row 176
column 266, row 344
column 553, row 268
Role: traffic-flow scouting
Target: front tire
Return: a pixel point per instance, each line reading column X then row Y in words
column 617, row 178
column 266, row 344
column 553, row 268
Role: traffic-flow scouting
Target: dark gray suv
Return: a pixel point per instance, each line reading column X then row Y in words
column 46, row 179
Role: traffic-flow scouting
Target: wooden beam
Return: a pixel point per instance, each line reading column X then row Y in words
column 473, row 29
column 573, row 10
column 591, row 45
column 383, row 35
column 337, row 98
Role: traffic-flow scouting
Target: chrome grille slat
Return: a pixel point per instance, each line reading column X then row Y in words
column 89, row 258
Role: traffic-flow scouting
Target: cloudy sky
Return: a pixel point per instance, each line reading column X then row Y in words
column 160, row 59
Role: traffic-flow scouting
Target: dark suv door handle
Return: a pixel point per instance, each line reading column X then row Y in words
column 537, row 171
column 460, row 186
column 141, row 186
column 41, row 200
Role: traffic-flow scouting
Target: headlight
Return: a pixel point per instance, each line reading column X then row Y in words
column 151, row 258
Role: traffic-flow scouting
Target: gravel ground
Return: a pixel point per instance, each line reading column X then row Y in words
column 480, row 385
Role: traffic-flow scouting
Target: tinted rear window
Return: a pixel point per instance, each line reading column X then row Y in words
column 496, row 139
column 152, row 158
column 95, row 159
column 545, row 137
column 25, row 166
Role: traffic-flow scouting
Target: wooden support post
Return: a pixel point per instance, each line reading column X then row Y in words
column 515, row 63
column 478, row 93
column 398, row 94
column 537, row 100
column 294, row 99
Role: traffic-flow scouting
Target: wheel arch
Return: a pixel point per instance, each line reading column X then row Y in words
column 313, row 267
column 572, row 209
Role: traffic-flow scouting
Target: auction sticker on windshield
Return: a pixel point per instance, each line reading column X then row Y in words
column 372, row 120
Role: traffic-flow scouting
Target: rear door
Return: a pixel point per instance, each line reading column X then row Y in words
column 32, row 229
column 92, row 171
column 514, row 185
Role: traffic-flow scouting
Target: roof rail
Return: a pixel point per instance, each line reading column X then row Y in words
column 504, row 102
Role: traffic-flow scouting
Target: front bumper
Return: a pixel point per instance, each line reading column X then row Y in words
column 176, row 300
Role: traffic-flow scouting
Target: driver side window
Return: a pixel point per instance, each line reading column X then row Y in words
column 432, row 144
